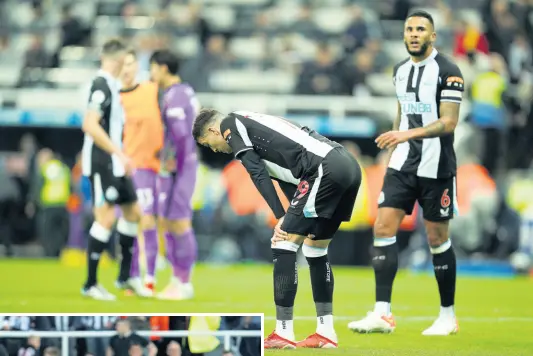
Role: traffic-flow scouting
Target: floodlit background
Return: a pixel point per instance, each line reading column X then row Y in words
column 324, row 63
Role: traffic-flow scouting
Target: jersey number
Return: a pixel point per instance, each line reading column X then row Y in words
column 145, row 197
column 445, row 200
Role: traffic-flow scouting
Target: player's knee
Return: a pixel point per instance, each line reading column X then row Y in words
column 127, row 228
column 148, row 222
column 100, row 232
column 179, row 227
column 437, row 233
column 385, row 228
column 314, row 254
column 105, row 216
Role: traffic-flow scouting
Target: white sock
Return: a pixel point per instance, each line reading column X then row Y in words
column 324, row 327
column 285, row 329
column 447, row 312
column 149, row 279
column 175, row 281
column 382, row 308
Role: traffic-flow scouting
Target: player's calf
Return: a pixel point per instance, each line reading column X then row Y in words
column 151, row 247
column 322, row 283
column 99, row 236
column 128, row 228
column 285, row 286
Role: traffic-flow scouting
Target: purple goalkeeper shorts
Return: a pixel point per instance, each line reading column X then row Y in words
column 175, row 193
column 145, row 181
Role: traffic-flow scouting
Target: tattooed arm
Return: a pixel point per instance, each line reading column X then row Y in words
column 444, row 126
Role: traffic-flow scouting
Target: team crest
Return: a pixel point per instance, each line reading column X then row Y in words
column 227, row 135
column 302, row 189
column 111, row 194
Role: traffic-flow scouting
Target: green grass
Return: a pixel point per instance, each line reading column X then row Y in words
column 495, row 315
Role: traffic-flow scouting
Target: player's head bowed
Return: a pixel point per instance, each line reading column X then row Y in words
column 206, row 131
column 419, row 33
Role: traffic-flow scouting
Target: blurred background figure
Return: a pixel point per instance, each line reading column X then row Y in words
column 49, row 194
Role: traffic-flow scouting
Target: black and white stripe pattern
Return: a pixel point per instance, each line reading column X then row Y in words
column 421, row 88
column 281, row 145
column 104, row 97
column 97, row 322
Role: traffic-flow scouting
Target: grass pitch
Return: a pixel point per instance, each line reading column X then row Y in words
column 495, row 315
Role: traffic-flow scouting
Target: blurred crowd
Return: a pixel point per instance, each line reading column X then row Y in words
column 126, row 341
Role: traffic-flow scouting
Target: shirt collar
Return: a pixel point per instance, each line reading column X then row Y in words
column 432, row 55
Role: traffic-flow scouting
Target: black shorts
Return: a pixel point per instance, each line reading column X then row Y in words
column 106, row 188
column 324, row 198
column 437, row 197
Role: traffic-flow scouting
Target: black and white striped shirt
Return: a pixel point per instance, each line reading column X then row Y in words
column 280, row 150
column 104, row 97
column 288, row 150
column 420, row 89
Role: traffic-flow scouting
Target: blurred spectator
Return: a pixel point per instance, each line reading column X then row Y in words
column 488, row 110
column 394, row 9
column 304, row 24
column 31, row 348
column 173, row 349
column 320, row 76
column 37, row 56
column 9, row 196
column 214, row 57
column 52, row 351
column 500, row 26
column 469, row 40
column 520, row 61
column 49, row 195
column 381, row 59
column 357, row 33
column 73, row 31
column 96, row 346
column 127, row 342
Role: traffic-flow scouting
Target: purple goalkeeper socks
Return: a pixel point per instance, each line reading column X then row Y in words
column 182, row 253
column 151, row 248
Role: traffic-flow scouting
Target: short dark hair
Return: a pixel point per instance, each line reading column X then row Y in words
column 167, row 58
column 113, row 46
column 204, row 118
column 422, row 13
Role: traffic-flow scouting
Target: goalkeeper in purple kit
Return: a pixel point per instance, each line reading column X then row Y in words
column 178, row 175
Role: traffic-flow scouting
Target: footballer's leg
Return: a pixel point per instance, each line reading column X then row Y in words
column 322, row 283
column 145, row 184
column 285, row 279
column 439, row 203
column 128, row 230
column 104, row 193
column 397, row 198
column 182, row 249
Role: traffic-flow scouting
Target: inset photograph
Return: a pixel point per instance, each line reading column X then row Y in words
column 132, row 335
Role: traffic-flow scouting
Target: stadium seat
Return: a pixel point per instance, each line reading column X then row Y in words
column 187, row 46
column 220, row 18
column 252, row 81
column 322, row 18
column 249, row 48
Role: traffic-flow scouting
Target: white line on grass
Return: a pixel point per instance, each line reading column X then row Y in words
column 423, row 318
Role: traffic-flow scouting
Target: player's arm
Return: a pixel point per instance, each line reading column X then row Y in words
column 451, row 90
column 99, row 101
column 395, row 127
column 261, row 178
column 288, row 189
column 236, row 135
